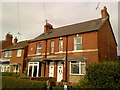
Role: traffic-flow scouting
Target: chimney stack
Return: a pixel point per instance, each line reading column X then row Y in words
column 47, row 27
column 9, row 39
column 15, row 40
column 104, row 13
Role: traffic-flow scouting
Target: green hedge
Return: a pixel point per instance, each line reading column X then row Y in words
column 102, row 75
column 17, row 75
column 11, row 82
column 6, row 73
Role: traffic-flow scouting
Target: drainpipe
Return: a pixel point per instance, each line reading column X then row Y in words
column 45, row 57
column 46, row 49
column 66, row 64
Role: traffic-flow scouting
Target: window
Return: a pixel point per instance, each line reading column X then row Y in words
column 39, row 48
column 5, row 68
column 60, row 45
column 52, row 47
column 78, row 67
column 77, row 43
column 16, row 68
column 19, row 53
column 8, row 53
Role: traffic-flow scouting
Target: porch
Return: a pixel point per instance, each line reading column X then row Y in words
column 52, row 66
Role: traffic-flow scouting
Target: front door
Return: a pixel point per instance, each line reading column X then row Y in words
column 59, row 72
column 51, row 69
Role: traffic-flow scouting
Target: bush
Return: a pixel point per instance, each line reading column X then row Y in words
column 7, row 73
column 102, row 75
column 17, row 75
column 11, row 82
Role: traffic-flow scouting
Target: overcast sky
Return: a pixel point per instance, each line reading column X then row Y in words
column 28, row 18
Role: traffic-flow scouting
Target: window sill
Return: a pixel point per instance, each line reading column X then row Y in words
column 77, row 51
column 7, row 57
column 60, row 52
column 78, row 74
column 38, row 53
column 18, row 56
column 52, row 53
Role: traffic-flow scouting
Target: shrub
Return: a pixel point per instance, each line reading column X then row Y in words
column 84, row 83
column 102, row 75
column 17, row 75
column 11, row 82
column 7, row 73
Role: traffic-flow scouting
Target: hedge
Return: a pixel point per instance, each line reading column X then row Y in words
column 17, row 75
column 102, row 75
column 11, row 82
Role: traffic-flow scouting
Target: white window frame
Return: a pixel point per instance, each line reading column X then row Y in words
column 52, row 46
column 32, row 64
column 8, row 53
column 39, row 48
column 80, row 63
column 15, row 69
column 5, row 68
column 76, row 44
column 61, row 45
column 19, row 52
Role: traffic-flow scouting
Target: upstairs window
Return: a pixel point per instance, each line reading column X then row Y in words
column 78, row 67
column 60, row 45
column 39, row 48
column 52, row 47
column 77, row 43
column 19, row 53
column 8, row 53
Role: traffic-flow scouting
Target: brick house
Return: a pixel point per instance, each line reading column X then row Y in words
column 65, row 52
column 3, row 44
column 16, row 55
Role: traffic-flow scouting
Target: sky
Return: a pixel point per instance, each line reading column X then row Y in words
column 28, row 18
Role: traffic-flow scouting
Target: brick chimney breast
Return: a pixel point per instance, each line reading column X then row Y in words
column 15, row 40
column 104, row 13
column 47, row 27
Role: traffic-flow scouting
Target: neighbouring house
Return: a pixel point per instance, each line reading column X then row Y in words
column 16, row 55
column 65, row 52
column 4, row 63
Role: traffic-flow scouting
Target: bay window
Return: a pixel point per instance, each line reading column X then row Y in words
column 77, row 67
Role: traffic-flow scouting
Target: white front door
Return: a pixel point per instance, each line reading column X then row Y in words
column 59, row 72
column 51, row 69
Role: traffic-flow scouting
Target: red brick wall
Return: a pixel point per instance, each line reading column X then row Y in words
column 89, row 42
column 107, row 45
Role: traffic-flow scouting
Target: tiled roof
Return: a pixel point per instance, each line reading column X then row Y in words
column 87, row 26
column 19, row 45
